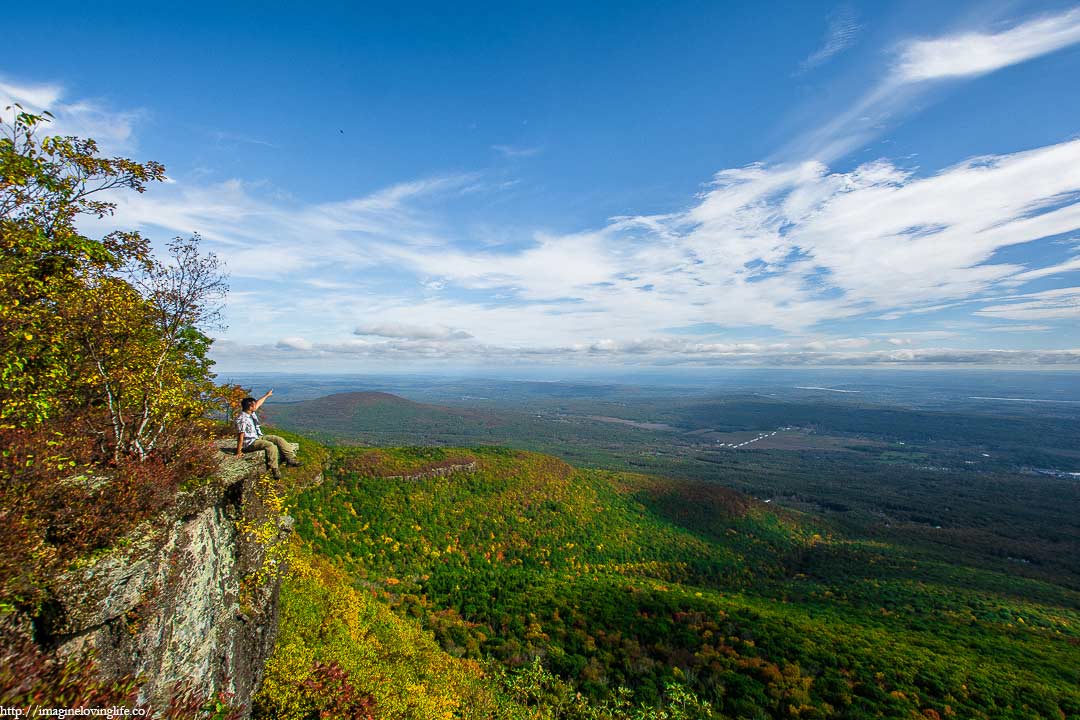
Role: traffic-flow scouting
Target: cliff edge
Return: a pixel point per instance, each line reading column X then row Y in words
column 187, row 603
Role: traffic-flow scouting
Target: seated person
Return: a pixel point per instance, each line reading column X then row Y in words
column 250, row 437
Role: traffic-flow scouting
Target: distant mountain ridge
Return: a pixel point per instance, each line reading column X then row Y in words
column 348, row 401
column 379, row 418
column 347, row 414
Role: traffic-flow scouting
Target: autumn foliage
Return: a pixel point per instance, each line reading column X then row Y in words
column 598, row 594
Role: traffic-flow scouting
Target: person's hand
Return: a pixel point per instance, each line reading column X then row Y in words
column 239, row 453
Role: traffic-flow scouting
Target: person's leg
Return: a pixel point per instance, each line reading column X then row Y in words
column 285, row 447
column 271, row 451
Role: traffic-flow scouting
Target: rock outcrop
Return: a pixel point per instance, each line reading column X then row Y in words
column 188, row 602
column 440, row 471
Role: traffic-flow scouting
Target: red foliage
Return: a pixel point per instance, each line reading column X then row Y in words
column 340, row 700
column 29, row 676
column 376, row 463
column 189, row 704
column 59, row 502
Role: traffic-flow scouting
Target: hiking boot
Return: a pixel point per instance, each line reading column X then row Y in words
column 276, row 473
column 292, row 462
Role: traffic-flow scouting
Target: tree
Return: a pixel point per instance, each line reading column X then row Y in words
column 44, row 187
column 146, row 357
column 99, row 332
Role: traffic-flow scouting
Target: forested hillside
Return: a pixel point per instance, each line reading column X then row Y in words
column 950, row 485
column 613, row 580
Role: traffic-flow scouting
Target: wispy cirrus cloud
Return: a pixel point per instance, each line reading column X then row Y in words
column 223, row 137
column 1019, row 328
column 791, row 246
column 1062, row 268
column 920, row 64
column 513, row 152
column 265, row 237
column 1060, row 303
column 112, row 129
column 842, row 31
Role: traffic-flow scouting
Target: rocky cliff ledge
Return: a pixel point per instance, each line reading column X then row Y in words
column 188, row 602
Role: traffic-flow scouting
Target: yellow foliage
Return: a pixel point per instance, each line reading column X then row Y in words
column 326, row 620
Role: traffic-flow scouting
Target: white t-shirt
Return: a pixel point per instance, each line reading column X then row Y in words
column 248, row 423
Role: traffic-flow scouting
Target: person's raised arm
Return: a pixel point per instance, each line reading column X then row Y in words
column 260, row 401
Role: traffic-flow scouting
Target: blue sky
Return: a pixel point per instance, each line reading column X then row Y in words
column 596, row 184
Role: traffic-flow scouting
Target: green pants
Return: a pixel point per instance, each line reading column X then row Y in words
column 272, row 444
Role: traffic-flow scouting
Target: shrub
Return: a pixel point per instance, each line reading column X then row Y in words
column 58, row 503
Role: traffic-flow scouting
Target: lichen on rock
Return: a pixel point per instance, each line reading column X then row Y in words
column 187, row 604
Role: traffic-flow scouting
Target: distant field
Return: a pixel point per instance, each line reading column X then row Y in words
column 632, row 423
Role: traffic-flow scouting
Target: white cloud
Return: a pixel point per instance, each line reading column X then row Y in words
column 262, row 237
column 909, row 337
column 791, row 246
column 294, row 343
column 34, row 98
column 553, row 268
column 411, row 332
column 1019, row 328
column 1070, row 265
column 393, row 352
column 975, row 53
